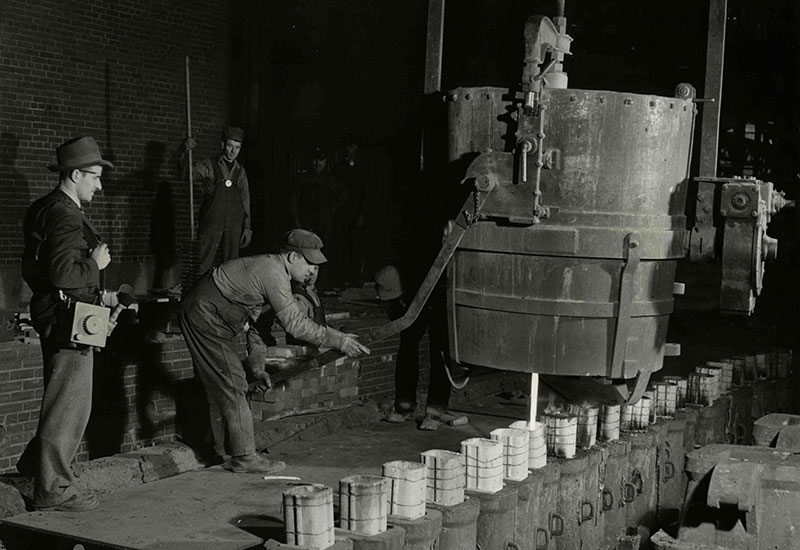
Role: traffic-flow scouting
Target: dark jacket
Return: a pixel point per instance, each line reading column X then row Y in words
column 58, row 241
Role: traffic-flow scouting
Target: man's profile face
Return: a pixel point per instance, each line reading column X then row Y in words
column 319, row 165
column 300, row 270
column 87, row 182
column 230, row 149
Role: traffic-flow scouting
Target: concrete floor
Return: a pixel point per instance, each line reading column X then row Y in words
column 213, row 508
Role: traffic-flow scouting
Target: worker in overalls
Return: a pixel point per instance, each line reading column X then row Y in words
column 225, row 210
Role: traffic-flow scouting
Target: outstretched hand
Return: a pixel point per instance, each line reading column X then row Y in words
column 352, row 347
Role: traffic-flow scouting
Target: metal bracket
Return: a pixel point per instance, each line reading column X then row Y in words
column 631, row 256
column 483, row 185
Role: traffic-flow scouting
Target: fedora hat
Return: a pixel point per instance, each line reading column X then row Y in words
column 78, row 153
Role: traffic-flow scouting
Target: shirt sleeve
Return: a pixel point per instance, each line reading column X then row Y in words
column 244, row 193
column 295, row 322
column 68, row 266
column 203, row 173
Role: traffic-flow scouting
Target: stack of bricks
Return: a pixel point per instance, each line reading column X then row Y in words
column 331, row 386
column 20, row 398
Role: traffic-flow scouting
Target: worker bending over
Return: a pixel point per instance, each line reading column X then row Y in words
column 216, row 311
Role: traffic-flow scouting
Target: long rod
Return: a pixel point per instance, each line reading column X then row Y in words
column 715, row 60
column 433, row 66
column 188, row 135
column 534, row 399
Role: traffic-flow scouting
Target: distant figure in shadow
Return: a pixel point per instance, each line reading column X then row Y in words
column 162, row 218
column 14, row 198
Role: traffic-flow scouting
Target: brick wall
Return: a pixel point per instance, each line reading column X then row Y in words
column 115, row 71
column 146, row 393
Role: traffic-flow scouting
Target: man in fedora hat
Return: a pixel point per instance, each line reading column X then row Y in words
column 225, row 210
column 218, row 309
column 61, row 263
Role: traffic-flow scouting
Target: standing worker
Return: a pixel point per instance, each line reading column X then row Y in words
column 216, row 311
column 61, row 263
column 432, row 320
column 225, row 210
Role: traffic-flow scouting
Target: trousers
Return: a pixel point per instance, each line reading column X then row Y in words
column 210, row 324
column 64, row 414
column 406, row 373
column 209, row 240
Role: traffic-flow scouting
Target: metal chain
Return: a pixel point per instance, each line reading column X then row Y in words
column 471, row 218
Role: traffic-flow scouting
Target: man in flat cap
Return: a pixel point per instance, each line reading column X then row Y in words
column 217, row 310
column 62, row 264
column 225, row 210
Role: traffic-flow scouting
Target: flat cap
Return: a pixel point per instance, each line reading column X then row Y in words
column 387, row 283
column 234, row 133
column 306, row 243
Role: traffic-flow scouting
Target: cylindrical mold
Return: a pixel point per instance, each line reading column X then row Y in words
column 393, row 538
column 750, row 368
column 483, row 460
column 407, row 488
column 642, row 462
column 516, row 445
column 666, row 398
column 784, row 363
column 308, row 516
column 649, row 406
column 672, row 484
column 537, row 443
column 725, row 374
column 636, row 416
column 701, row 389
column 738, row 371
column 609, row 422
column 496, row 520
column 616, row 191
column 459, row 524
column 363, row 504
column 421, row 533
column 762, row 366
column 529, row 530
column 587, row 425
column 616, row 490
column 573, row 506
column 681, row 392
column 562, row 434
column 716, row 383
column 446, row 477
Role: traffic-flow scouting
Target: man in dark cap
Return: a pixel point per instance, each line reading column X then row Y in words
column 219, row 308
column 225, row 210
column 317, row 197
column 62, row 264
column 390, row 289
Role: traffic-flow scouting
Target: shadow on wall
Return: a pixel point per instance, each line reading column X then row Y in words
column 138, row 401
column 156, row 189
column 15, row 197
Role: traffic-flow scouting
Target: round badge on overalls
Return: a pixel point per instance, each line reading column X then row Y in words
column 228, row 183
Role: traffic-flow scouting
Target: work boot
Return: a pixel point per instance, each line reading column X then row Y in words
column 76, row 503
column 434, row 417
column 399, row 417
column 254, row 463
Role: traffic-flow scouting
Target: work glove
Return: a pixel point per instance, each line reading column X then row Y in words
column 244, row 240
column 352, row 347
column 261, row 383
column 189, row 144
